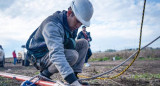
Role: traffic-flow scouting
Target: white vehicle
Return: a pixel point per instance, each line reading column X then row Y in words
column 25, row 61
column 21, row 56
column 2, row 57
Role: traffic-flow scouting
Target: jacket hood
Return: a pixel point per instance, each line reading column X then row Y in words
column 62, row 17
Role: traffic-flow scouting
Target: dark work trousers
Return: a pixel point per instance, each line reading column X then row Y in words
column 75, row 58
column 89, row 54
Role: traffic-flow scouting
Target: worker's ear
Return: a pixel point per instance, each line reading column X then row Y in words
column 69, row 13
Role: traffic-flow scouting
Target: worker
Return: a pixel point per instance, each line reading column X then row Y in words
column 14, row 57
column 52, row 47
column 86, row 35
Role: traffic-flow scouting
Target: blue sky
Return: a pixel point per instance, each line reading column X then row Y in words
column 114, row 25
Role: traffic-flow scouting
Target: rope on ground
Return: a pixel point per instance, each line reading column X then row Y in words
column 137, row 53
column 99, row 76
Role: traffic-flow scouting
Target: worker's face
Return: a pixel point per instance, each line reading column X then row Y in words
column 73, row 22
column 84, row 29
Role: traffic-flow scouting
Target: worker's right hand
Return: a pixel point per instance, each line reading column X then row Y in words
column 75, row 83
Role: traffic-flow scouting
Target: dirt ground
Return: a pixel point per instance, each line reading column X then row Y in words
column 126, row 79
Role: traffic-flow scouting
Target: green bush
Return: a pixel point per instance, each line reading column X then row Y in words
column 146, row 76
column 118, row 58
column 99, row 59
column 149, row 58
column 141, row 58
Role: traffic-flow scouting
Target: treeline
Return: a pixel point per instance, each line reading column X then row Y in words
column 148, row 52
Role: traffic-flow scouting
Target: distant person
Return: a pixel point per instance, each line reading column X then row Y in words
column 52, row 47
column 19, row 58
column 86, row 35
column 25, row 61
column 2, row 57
column 23, row 57
column 14, row 57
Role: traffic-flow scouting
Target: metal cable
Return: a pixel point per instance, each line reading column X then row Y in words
column 99, row 76
column 39, row 77
column 43, row 77
column 137, row 53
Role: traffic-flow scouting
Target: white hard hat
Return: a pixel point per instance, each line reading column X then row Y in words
column 83, row 11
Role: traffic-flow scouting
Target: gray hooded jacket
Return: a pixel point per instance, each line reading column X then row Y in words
column 50, row 37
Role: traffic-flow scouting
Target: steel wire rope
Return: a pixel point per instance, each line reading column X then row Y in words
column 98, row 76
column 137, row 53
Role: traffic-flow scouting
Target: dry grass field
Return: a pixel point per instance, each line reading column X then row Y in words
column 144, row 72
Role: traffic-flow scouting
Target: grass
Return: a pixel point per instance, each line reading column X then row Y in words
column 120, row 58
column 7, row 82
column 104, row 59
column 3, row 80
column 36, row 73
column 146, row 76
column 99, row 59
column 143, row 58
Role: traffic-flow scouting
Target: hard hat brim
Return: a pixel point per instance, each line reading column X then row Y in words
column 86, row 23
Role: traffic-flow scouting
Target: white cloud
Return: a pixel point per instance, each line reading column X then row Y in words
column 113, row 21
column 121, row 20
column 19, row 20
